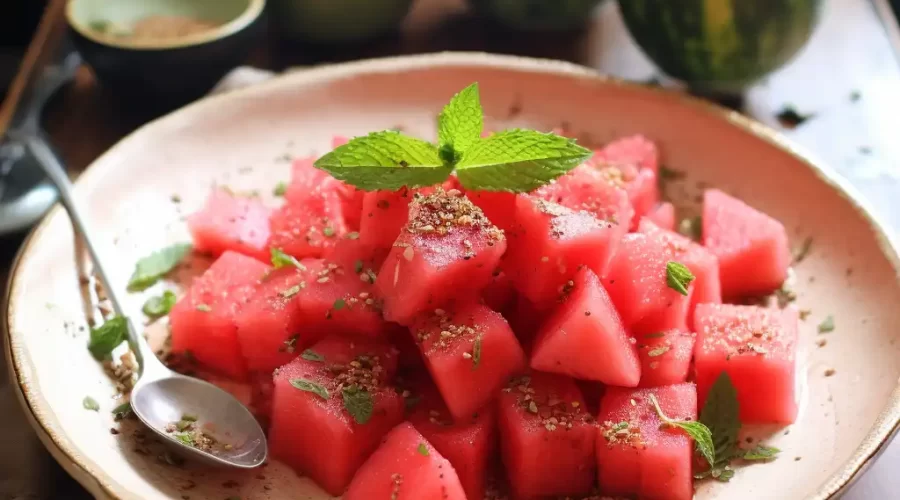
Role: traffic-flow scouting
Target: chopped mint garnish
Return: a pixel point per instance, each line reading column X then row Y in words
column 150, row 269
column 358, row 403
column 655, row 335
column 108, row 336
column 281, row 259
column 358, row 266
column 761, row 452
column 328, row 231
column 311, row 355
column 280, row 189
column 513, row 160
column 352, row 235
column 339, row 304
column 310, row 386
column 678, row 277
column 122, row 411
column 204, row 308
column 827, row 325
column 422, row 449
column 476, row 352
column 701, row 434
column 803, row 251
column 156, row 307
column 90, row 403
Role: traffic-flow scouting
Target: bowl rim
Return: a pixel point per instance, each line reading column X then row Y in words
column 251, row 12
column 102, row 485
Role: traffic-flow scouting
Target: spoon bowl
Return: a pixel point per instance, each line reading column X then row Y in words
column 161, row 402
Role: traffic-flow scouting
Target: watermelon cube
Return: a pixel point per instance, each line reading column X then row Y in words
column 203, row 321
column 636, row 455
column 499, row 207
column 406, row 467
column 752, row 247
column 634, row 150
column 269, row 327
column 550, row 243
column 448, row 250
column 590, row 189
column 585, row 339
column 546, row 437
column 757, row 348
column 665, row 357
column 663, row 215
column 309, row 228
column 384, row 214
column 231, row 222
column 702, row 263
column 639, row 183
column 466, row 443
column 335, row 298
column 637, row 284
column 311, row 409
column 470, row 352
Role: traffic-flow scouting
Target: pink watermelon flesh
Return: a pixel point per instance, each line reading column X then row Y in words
column 634, row 150
column 551, row 243
column 525, row 319
column 406, row 467
column 384, row 213
column 663, row 215
column 304, row 425
column 467, row 443
column 639, row 183
column 470, row 352
column 231, row 222
column 585, row 339
column 638, row 456
column 591, row 189
column 309, row 228
column 757, row 348
column 546, row 437
column 498, row 207
column 268, row 325
column 752, row 247
column 636, row 282
column 702, row 263
column 448, row 250
column 665, row 357
column 203, row 321
column 500, row 294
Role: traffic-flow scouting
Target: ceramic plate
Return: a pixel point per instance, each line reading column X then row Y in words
column 243, row 139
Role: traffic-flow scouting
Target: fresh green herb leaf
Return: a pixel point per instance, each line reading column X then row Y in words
column 183, row 425
column 692, row 227
column 460, row 124
column 90, row 403
column 311, row 355
column 108, row 336
column 280, row 189
column 310, row 386
column 476, row 352
column 352, row 235
column 386, row 160
column 422, row 449
column 122, row 411
column 803, row 251
column 358, row 403
column 720, row 415
column 281, row 259
column 189, row 418
column 156, row 307
column 655, row 335
column 678, row 277
column 761, row 452
column 658, row 351
column 518, row 161
column 328, row 231
column 723, row 474
column 185, row 438
column 204, row 308
column 827, row 325
column 358, row 266
column 339, row 304
column 697, row 431
column 150, row 269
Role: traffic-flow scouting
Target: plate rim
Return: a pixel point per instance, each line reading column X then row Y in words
column 100, row 485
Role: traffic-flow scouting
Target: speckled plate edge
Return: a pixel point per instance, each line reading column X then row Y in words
column 875, row 442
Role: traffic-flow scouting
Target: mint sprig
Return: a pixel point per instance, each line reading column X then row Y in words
column 514, row 160
column 699, row 432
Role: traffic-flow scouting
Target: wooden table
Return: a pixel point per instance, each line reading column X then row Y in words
column 848, row 55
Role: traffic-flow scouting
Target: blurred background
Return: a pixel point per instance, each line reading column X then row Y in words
column 88, row 72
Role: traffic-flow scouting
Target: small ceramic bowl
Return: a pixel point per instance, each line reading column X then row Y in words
column 168, row 51
column 538, row 15
column 337, row 21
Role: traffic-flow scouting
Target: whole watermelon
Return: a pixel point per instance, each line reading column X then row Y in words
column 538, row 15
column 720, row 45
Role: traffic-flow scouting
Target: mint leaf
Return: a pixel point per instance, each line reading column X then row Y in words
column 422, row 449
column 761, row 452
column 678, row 277
column 386, row 160
column 122, row 411
column 518, row 161
column 311, row 355
column 358, row 403
column 280, row 189
column 148, row 270
column 697, row 431
column 108, row 336
column 720, row 415
column 156, row 307
column 90, row 403
column 827, row 325
column 310, row 386
column 460, row 123
column 476, row 352
column 281, row 259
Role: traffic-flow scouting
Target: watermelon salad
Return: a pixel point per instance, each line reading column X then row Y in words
column 425, row 341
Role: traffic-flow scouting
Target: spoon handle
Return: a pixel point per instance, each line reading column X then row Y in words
column 53, row 167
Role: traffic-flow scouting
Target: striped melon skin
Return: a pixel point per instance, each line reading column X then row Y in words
column 720, row 45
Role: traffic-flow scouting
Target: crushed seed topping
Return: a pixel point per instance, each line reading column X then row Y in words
column 554, row 412
column 442, row 211
column 621, row 433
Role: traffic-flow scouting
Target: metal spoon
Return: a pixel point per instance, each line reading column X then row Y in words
column 161, row 396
